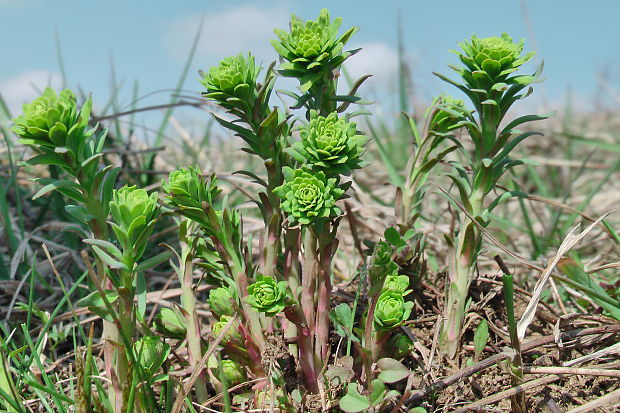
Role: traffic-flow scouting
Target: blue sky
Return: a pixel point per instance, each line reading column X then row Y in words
column 149, row 41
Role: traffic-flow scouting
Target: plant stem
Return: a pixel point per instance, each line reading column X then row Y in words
column 188, row 302
column 241, row 280
column 324, row 293
column 309, row 277
column 126, row 330
column 516, row 369
column 292, row 240
column 270, row 245
column 304, row 340
column 231, row 253
column 464, row 263
column 110, row 334
column 368, row 340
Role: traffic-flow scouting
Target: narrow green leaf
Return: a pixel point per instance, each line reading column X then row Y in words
column 53, row 186
column 153, row 261
column 94, row 299
column 111, row 262
column 481, row 336
column 108, row 246
column 141, row 294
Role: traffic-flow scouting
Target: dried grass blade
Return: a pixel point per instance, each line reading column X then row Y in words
column 569, row 242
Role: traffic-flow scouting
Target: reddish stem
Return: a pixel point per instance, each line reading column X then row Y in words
column 309, row 277
column 304, row 341
column 323, row 305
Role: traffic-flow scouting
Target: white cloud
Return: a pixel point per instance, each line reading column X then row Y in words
column 26, row 86
column 377, row 59
column 237, row 30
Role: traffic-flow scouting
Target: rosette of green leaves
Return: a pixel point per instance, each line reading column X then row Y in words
column 308, row 197
column 134, row 213
column 221, row 302
column 232, row 83
column 398, row 283
column 58, row 128
column 490, row 60
column 54, row 124
column 330, row 144
column 266, row 295
column 233, row 372
column 392, row 310
column 312, row 49
column 188, row 191
column 493, row 86
column 382, row 255
column 232, row 335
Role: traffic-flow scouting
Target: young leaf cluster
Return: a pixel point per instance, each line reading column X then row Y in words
column 312, row 49
column 329, row 144
column 308, row 197
column 267, row 295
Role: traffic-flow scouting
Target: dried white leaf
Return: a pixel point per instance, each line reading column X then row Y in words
column 569, row 242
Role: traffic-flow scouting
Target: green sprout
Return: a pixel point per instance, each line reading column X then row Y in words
column 381, row 264
column 134, row 213
column 398, row 283
column 492, row 86
column 233, row 372
column 221, row 301
column 192, row 196
column 380, row 268
column 490, row 60
column 55, row 125
column 232, row 83
column 188, row 191
column 267, row 295
column 382, row 255
column 443, row 117
column 392, row 310
column 170, row 323
column 447, row 116
column 308, row 196
column 330, row 144
column 312, row 49
column 232, row 335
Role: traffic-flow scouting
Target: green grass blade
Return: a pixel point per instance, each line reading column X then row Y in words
column 48, row 388
column 162, row 128
column 395, row 177
column 596, row 142
column 61, row 60
column 5, row 116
